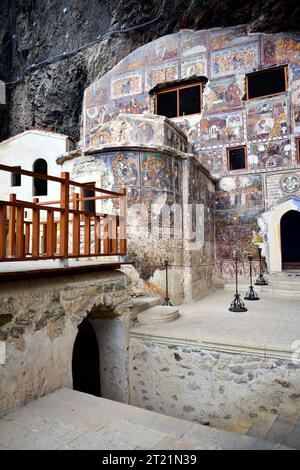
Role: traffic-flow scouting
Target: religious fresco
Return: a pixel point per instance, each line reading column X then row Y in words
column 222, row 95
column 156, row 170
column 281, row 50
column 234, row 60
column 190, row 125
column 174, row 139
column 165, row 49
column 295, row 100
column 196, row 65
column 164, row 73
column 133, row 105
column 198, row 186
column 235, row 230
column 267, row 119
column 222, row 128
column 192, row 42
column 221, row 38
column 126, row 85
column 270, row 155
column 239, row 192
column 212, row 159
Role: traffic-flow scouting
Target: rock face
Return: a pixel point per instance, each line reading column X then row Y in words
column 51, row 96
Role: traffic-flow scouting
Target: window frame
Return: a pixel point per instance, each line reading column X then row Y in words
column 177, row 88
column 298, row 150
column 13, row 175
column 228, row 157
column 286, row 79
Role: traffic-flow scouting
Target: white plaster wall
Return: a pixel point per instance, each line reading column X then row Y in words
column 23, row 150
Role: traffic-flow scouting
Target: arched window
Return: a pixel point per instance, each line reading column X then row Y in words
column 40, row 186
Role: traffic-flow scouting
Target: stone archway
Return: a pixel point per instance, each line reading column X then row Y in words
column 270, row 224
column 290, row 246
column 86, row 360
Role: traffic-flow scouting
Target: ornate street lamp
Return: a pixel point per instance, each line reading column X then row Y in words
column 251, row 294
column 237, row 305
column 260, row 281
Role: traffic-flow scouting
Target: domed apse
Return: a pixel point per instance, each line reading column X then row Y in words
column 290, row 241
column 85, row 361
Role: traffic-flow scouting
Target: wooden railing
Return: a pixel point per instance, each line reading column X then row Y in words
column 64, row 228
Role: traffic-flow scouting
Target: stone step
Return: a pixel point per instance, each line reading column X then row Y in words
column 158, row 314
column 282, row 428
column 66, row 419
column 139, row 304
column 262, row 425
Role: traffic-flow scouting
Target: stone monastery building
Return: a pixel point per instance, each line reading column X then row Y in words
column 228, row 142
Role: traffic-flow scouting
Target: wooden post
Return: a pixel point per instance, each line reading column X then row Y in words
column 97, row 236
column 106, row 235
column 114, row 235
column 76, row 226
column 87, row 234
column 12, row 227
column 51, row 248
column 20, row 237
column 123, row 223
column 3, row 219
column 64, row 216
column 27, row 238
column 35, row 229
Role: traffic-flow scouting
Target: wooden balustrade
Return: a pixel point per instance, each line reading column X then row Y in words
column 64, row 228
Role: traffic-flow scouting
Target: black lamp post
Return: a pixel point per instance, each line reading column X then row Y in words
column 167, row 299
column 237, row 305
column 251, row 294
column 260, row 281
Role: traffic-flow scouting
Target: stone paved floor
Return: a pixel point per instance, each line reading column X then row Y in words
column 271, row 325
column 67, row 419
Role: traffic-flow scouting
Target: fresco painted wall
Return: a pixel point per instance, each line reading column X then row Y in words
column 268, row 127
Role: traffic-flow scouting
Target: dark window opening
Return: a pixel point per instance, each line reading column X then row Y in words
column 236, row 158
column 40, row 186
column 16, row 178
column 85, row 361
column 298, row 150
column 89, row 206
column 290, row 245
column 266, row 82
column 180, row 101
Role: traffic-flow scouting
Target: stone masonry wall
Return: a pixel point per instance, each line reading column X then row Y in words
column 38, row 324
column 206, row 386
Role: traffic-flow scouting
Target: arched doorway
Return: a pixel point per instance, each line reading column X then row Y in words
column 290, row 239
column 85, row 361
column 40, row 186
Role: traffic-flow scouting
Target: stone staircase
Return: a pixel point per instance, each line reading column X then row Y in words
column 283, row 284
column 149, row 311
column 282, row 427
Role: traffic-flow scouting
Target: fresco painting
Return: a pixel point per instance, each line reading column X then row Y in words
column 270, row 155
column 211, row 159
column 192, row 42
column 234, row 60
column 165, row 49
column 155, row 75
column 296, row 105
column 281, row 50
column 196, row 65
column 239, row 192
column 138, row 104
column 223, row 38
column 221, row 95
column 222, row 128
column 126, row 86
column 156, row 171
column 267, row 119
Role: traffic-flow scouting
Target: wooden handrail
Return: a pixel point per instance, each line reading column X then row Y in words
column 41, row 235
